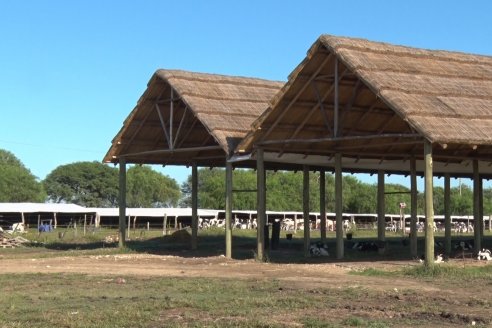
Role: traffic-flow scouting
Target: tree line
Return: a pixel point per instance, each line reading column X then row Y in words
column 94, row 184
column 285, row 188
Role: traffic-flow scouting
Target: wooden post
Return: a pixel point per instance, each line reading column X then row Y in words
column 305, row 209
column 175, row 223
column 339, row 205
column 129, row 227
column 261, row 203
column 55, row 220
column 480, row 208
column 476, row 207
column 23, row 219
column 194, row 206
column 85, row 223
column 381, row 209
column 413, row 208
column 447, row 216
column 122, row 202
column 228, row 210
column 164, row 225
column 148, row 225
column 39, row 221
column 429, row 206
column 322, row 204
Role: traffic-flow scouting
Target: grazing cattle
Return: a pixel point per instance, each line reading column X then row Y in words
column 287, row 224
column 318, row 249
column 484, row 255
column 464, row 245
column 438, row 259
column 365, row 246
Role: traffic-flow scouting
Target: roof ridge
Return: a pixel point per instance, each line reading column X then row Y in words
column 404, row 50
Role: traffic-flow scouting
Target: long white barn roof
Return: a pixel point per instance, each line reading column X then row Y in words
column 41, row 208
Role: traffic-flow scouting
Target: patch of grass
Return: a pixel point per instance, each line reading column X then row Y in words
column 450, row 272
column 372, row 272
column 360, row 322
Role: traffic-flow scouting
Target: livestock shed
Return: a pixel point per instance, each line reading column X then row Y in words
column 32, row 214
column 355, row 105
column 192, row 119
column 152, row 217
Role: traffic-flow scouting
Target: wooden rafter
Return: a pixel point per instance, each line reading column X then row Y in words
column 163, row 124
column 172, row 151
column 313, row 110
column 292, row 102
column 338, row 139
column 350, row 103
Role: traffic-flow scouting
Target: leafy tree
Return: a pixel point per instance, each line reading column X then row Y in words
column 17, row 183
column 91, row 184
column 148, row 188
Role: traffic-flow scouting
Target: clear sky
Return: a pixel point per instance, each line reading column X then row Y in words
column 71, row 71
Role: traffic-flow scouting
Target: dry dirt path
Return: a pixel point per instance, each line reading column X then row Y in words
column 306, row 275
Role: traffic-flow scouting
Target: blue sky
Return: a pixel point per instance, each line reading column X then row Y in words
column 71, row 71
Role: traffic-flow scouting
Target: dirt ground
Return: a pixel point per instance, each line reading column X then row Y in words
column 458, row 305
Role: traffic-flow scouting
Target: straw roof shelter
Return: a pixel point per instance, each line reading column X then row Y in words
column 391, row 98
column 185, row 117
column 362, row 106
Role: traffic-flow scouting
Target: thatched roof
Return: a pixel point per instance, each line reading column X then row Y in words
column 209, row 115
column 384, row 90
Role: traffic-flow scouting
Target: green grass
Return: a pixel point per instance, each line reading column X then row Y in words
column 71, row 300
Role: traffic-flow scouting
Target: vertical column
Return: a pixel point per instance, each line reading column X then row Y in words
column 476, row 207
column 122, row 202
column 381, row 211
column 413, row 208
column 322, row 204
column 261, row 203
column 228, row 210
column 305, row 208
column 480, row 208
column 194, row 206
column 339, row 205
column 447, row 216
column 429, row 206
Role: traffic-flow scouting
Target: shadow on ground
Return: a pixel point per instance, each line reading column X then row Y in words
column 396, row 248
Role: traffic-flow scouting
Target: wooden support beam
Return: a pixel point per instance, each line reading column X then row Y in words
column 336, row 110
column 171, row 120
column 314, row 108
column 228, row 210
column 190, row 129
column 122, row 202
column 183, row 118
column 305, row 209
column 322, row 108
column 322, row 204
column 381, row 208
column 476, row 207
column 339, row 139
column 292, row 102
column 447, row 216
column 481, row 210
column 163, row 125
column 413, row 207
column 261, row 204
column 194, row 206
column 429, row 205
column 169, row 151
column 339, row 205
